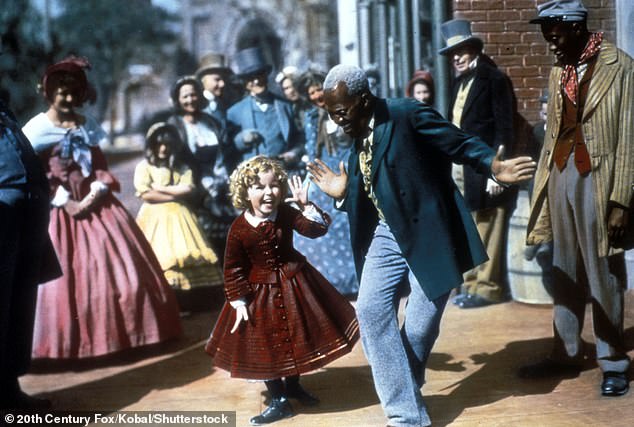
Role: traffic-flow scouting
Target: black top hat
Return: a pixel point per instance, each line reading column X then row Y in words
column 250, row 61
column 457, row 33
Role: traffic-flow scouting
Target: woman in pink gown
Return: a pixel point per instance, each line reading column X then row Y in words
column 113, row 294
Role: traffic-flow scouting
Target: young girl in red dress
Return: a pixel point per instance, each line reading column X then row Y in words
column 282, row 318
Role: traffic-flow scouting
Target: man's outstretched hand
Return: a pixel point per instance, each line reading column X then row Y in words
column 327, row 180
column 512, row 171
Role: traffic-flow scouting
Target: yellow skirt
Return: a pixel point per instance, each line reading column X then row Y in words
column 185, row 256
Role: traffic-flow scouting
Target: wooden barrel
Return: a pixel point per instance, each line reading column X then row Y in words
column 524, row 277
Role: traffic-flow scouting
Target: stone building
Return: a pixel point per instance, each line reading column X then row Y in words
column 302, row 33
column 291, row 32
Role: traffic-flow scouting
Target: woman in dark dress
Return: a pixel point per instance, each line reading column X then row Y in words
column 207, row 152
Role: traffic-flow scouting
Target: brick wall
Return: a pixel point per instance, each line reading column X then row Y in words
column 518, row 47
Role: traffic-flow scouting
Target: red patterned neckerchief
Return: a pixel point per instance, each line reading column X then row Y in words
column 569, row 78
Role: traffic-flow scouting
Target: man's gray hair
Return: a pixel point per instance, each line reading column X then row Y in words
column 354, row 77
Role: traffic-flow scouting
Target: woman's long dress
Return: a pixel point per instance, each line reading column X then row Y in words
column 112, row 295
column 173, row 231
column 332, row 253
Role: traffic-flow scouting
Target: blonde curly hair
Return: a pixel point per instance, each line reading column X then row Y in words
column 246, row 174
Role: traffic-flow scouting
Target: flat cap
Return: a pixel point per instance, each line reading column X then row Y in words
column 560, row 10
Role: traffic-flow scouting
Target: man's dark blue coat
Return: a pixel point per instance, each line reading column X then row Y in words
column 413, row 148
column 27, row 256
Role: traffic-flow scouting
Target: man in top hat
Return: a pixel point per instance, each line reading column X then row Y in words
column 582, row 196
column 264, row 124
column 213, row 74
column 483, row 105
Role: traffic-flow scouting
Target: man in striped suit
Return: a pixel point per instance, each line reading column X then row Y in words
column 583, row 191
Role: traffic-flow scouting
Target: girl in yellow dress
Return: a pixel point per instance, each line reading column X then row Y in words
column 164, row 183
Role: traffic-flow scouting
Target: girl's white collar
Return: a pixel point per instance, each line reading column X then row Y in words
column 256, row 220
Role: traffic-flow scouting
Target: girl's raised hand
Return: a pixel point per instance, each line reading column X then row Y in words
column 241, row 314
column 298, row 191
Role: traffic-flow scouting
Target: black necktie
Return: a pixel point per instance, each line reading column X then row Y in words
column 264, row 98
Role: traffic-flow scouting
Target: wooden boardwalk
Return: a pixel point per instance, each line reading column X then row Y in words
column 471, row 379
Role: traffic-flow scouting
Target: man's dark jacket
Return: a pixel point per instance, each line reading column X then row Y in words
column 488, row 113
column 413, row 148
column 27, row 257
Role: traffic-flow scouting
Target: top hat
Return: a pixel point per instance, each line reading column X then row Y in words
column 457, row 33
column 560, row 11
column 250, row 61
column 212, row 63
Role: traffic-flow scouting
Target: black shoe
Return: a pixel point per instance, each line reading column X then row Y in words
column 614, row 384
column 530, row 251
column 474, row 301
column 305, row 398
column 21, row 400
column 458, row 298
column 277, row 410
column 548, row 368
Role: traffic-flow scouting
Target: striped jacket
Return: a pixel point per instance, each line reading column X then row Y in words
column 608, row 130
